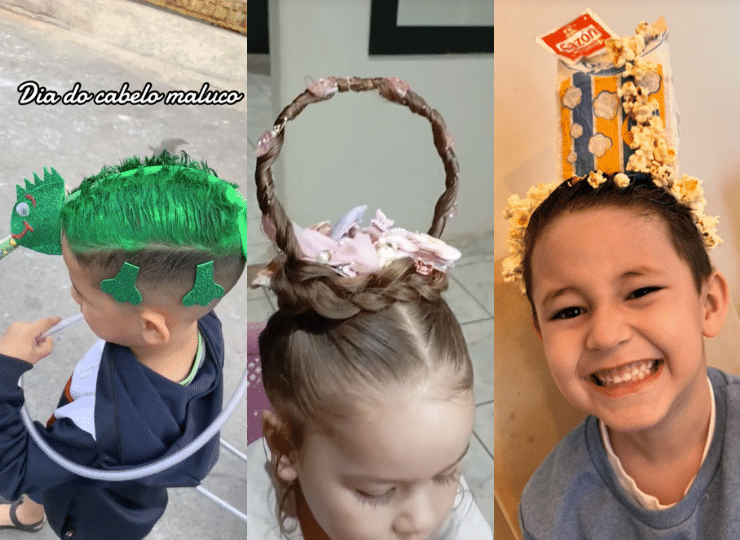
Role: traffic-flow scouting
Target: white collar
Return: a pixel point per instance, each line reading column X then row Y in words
column 638, row 496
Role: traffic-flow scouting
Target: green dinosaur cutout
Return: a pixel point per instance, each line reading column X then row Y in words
column 123, row 286
column 34, row 222
column 205, row 289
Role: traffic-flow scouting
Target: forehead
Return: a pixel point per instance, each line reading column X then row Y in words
column 602, row 239
column 412, row 437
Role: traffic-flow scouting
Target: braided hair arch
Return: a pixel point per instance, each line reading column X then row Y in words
column 302, row 285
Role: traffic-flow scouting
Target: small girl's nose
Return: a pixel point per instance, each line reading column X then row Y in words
column 418, row 518
column 607, row 329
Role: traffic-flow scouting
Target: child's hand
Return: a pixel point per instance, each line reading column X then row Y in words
column 20, row 340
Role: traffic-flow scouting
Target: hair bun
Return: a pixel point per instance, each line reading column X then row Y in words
column 301, row 285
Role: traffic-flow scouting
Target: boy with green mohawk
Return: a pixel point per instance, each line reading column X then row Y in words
column 150, row 247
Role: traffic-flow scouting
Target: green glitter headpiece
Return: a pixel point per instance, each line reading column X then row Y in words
column 196, row 210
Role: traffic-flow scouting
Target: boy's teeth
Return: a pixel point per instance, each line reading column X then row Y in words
column 636, row 371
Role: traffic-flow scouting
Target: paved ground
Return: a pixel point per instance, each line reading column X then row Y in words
column 77, row 140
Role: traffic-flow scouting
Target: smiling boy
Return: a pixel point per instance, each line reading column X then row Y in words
column 623, row 293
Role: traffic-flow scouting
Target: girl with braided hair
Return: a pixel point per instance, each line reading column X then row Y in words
column 365, row 367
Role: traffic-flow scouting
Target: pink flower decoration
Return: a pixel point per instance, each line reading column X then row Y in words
column 424, row 268
column 324, row 228
column 353, row 255
column 427, row 246
column 400, row 86
column 313, row 242
column 265, row 143
column 381, row 222
column 324, row 87
column 359, row 253
column 362, row 251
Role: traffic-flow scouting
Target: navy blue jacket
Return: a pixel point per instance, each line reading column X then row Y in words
column 131, row 416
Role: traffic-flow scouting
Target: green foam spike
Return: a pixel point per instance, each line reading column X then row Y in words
column 234, row 197
column 205, row 289
column 243, row 231
column 123, row 286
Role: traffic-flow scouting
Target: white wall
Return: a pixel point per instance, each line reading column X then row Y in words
column 358, row 149
column 703, row 42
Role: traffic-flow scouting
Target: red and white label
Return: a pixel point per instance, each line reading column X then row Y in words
column 582, row 37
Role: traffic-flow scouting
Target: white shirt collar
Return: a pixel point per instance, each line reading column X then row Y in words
column 638, row 496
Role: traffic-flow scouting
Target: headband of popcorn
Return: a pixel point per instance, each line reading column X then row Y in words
column 652, row 155
column 687, row 190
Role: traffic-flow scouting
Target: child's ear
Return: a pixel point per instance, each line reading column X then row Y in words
column 275, row 434
column 715, row 301
column 155, row 330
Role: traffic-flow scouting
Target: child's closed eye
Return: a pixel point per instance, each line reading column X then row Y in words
column 375, row 500
column 385, row 498
column 454, row 476
column 643, row 291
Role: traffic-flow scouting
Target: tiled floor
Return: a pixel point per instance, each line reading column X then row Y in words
column 470, row 295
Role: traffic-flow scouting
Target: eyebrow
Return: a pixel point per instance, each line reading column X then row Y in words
column 549, row 297
column 458, row 460
column 641, row 271
column 635, row 272
column 378, row 480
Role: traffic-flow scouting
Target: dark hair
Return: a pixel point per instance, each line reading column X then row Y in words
column 333, row 334
column 164, row 273
column 640, row 195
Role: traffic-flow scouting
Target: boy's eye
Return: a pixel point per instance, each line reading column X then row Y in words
column 568, row 313
column 639, row 293
column 376, row 500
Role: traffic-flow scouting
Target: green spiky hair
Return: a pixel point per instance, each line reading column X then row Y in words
column 160, row 202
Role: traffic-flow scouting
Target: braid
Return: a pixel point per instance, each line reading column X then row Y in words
column 302, row 285
column 334, row 332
